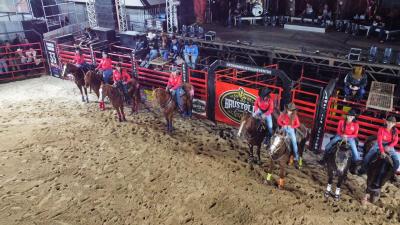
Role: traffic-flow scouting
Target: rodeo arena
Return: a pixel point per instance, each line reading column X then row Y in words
column 202, row 112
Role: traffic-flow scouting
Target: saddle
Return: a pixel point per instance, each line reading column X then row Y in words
column 261, row 126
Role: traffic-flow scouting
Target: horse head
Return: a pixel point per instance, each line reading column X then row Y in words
column 277, row 144
column 243, row 122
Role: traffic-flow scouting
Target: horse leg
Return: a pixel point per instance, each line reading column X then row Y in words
column 87, row 97
column 282, row 174
column 270, row 168
column 251, row 156
column 258, row 161
column 122, row 113
column 328, row 190
column 80, row 89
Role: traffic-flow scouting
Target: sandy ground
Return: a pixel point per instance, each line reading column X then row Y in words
column 65, row 162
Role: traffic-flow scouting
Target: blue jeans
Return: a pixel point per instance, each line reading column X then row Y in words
column 3, row 66
column 107, row 74
column 353, row 146
column 164, row 54
column 360, row 93
column 292, row 135
column 191, row 62
column 176, row 94
column 373, row 153
column 267, row 118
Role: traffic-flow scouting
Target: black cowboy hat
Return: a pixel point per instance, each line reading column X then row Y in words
column 263, row 92
column 291, row 107
column 352, row 112
column 391, row 119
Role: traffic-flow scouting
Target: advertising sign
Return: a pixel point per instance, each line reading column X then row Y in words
column 52, row 56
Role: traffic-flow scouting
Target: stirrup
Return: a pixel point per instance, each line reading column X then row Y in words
column 327, row 194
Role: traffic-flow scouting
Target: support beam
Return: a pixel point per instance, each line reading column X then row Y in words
column 91, row 13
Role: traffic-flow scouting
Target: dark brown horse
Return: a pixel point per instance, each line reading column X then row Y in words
column 379, row 171
column 279, row 151
column 79, row 78
column 255, row 132
column 187, row 99
column 134, row 93
column 165, row 101
column 93, row 81
column 116, row 99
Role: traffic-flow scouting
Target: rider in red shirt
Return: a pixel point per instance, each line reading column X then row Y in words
column 387, row 138
column 79, row 60
column 289, row 121
column 264, row 107
column 105, row 65
column 347, row 129
column 174, row 86
column 120, row 78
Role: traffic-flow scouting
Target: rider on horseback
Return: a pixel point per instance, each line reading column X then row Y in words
column 289, row 121
column 105, row 65
column 387, row 138
column 174, row 86
column 120, row 79
column 264, row 107
column 347, row 130
column 79, row 60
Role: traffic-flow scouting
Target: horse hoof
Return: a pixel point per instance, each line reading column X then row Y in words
column 336, row 198
column 250, row 160
column 327, row 194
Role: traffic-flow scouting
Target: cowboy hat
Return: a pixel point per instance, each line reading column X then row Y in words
column 291, row 107
column 263, row 92
column 391, row 119
column 151, row 35
column 352, row 112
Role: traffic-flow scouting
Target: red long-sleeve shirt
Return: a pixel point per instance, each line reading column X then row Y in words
column 284, row 120
column 78, row 59
column 105, row 64
column 124, row 76
column 386, row 136
column 174, row 82
column 267, row 107
column 351, row 129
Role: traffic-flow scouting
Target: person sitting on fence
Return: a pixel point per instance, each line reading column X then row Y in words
column 347, row 130
column 191, row 53
column 105, row 66
column 289, row 121
column 355, row 83
column 174, row 86
column 3, row 59
column 153, row 47
column 120, row 78
column 79, row 60
column 263, row 108
column 387, row 138
column 164, row 47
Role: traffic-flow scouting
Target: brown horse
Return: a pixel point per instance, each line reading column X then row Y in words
column 93, row 81
column 79, row 78
column 167, row 104
column 116, row 99
column 134, row 93
column 187, row 99
column 279, row 151
column 255, row 133
column 379, row 171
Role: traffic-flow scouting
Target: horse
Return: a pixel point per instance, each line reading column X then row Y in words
column 93, row 81
column 379, row 171
column 187, row 99
column 134, row 93
column 79, row 78
column 255, row 132
column 116, row 99
column 167, row 104
column 338, row 162
column 279, row 151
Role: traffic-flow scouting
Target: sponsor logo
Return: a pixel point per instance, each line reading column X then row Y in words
column 235, row 102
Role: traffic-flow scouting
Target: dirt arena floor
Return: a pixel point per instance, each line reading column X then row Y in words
column 65, row 162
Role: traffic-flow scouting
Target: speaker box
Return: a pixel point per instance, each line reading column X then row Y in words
column 32, row 29
column 105, row 34
column 129, row 38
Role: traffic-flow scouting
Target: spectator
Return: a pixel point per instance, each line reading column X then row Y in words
column 12, row 62
column 326, row 15
column 153, row 47
column 3, row 59
column 17, row 40
column 308, row 12
column 175, row 48
column 377, row 23
column 164, row 47
column 355, row 83
column 191, row 53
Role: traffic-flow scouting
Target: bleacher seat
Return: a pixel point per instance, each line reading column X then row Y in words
column 373, row 52
column 387, row 56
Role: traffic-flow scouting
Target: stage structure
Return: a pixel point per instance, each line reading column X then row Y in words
column 172, row 15
column 121, row 15
column 91, row 13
